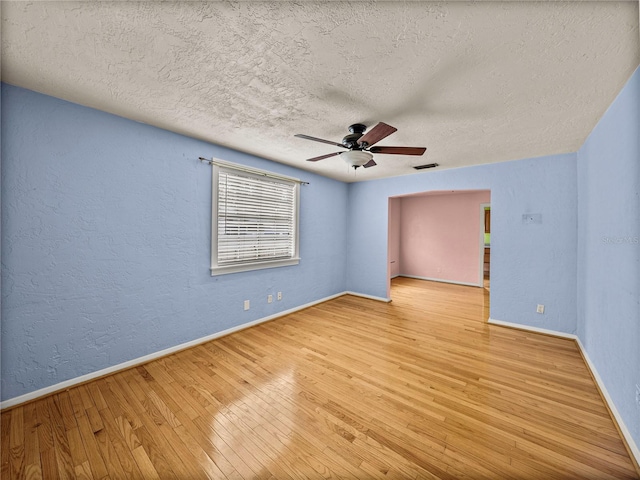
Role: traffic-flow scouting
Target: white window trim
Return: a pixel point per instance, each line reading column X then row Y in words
column 216, row 167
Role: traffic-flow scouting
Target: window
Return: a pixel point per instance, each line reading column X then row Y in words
column 254, row 219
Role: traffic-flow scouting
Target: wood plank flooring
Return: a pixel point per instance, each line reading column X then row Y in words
column 420, row 388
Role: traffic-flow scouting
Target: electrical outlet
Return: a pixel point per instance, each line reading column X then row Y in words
column 269, row 298
column 247, row 304
column 540, row 309
column 279, row 295
column 637, row 395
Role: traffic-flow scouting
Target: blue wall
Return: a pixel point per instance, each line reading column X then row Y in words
column 106, row 243
column 530, row 263
column 609, row 250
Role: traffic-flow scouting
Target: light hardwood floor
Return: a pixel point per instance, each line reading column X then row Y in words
column 352, row 388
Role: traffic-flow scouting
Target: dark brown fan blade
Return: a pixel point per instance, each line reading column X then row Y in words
column 307, row 137
column 370, row 163
column 321, row 157
column 398, row 150
column 377, row 133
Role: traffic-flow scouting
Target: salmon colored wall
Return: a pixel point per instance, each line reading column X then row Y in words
column 440, row 236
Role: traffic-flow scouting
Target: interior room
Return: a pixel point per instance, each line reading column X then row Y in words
column 449, row 291
column 440, row 236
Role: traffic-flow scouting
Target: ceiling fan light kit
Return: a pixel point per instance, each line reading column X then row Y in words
column 360, row 145
column 356, row 158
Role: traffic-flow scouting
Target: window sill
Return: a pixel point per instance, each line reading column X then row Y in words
column 247, row 267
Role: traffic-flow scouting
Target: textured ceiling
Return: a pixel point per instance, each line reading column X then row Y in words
column 473, row 82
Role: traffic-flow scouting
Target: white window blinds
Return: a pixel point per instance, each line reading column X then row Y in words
column 255, row 221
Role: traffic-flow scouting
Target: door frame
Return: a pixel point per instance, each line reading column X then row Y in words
column 481, row 259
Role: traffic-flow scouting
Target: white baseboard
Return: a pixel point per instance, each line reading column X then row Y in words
column 519, row 326
column 612, row 406
column 592, row 368
column 27, row 397
column 441, row 280
column 370, row 297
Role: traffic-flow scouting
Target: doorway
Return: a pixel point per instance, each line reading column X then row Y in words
column 439, row 236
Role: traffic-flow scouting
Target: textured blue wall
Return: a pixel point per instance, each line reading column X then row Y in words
column 609, row 250
column 530, row 263
column 106, row 243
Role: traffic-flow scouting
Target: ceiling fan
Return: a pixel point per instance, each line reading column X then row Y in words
column 360, row 145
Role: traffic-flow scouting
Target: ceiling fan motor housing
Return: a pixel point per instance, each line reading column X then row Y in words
column 351, row 140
